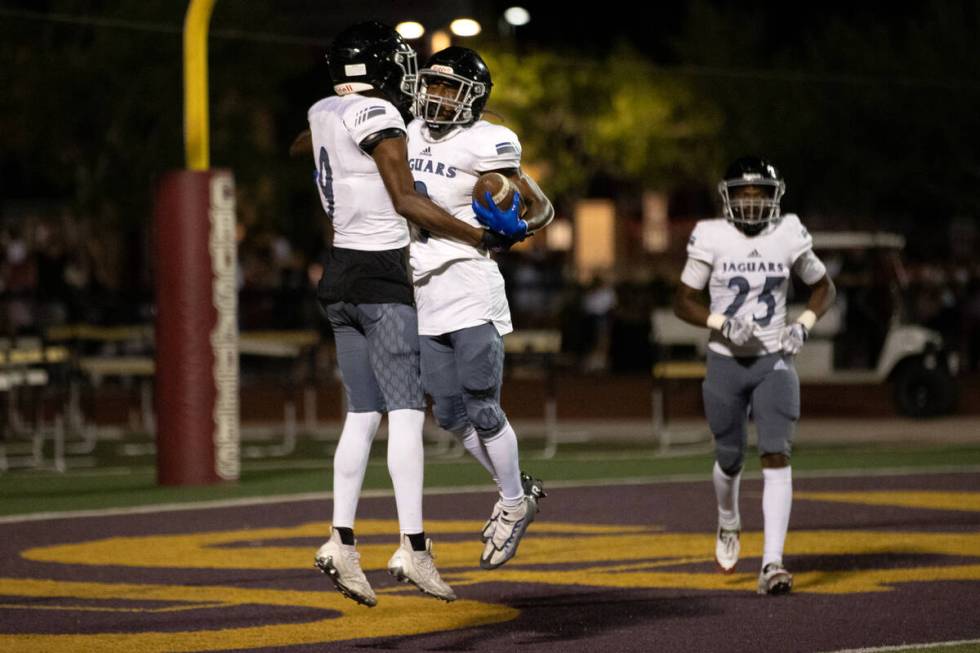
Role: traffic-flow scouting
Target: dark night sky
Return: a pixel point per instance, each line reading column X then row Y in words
column 284, row 41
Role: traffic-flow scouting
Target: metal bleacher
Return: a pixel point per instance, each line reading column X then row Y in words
column 27, row 367
column 66, row 374
column 673, row 335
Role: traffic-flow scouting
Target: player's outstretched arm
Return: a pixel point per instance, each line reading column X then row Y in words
column 391, row 156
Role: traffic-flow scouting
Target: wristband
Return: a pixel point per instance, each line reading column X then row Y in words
column 715, row 321
column 807, row 318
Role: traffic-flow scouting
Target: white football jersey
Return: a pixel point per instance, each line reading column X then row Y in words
column 457, row 285
column 351, row 189
column 749, row 276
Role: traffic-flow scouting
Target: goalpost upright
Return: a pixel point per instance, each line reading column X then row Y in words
column 195, row 259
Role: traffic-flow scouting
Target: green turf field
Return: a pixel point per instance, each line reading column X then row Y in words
column 112, row 484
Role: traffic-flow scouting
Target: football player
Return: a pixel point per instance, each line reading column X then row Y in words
column 459, row 291
column 745, row 260
column 358, row 141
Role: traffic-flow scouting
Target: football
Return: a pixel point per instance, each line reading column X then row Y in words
column 499, row 188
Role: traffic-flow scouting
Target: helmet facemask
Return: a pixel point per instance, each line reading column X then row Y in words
column 451, row 109
column 751, row 213
column 407, row 61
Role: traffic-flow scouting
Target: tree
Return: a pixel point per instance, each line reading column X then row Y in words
column 616, row 117
column 872, row 118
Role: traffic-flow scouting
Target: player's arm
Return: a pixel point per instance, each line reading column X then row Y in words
column 689, row 300
column 813, row 272
column 539, row 212
column 390, row 153
column 689, row 305
column 822, row 295
column 302, row 145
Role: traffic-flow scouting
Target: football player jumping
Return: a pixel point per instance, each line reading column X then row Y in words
column 745, row 260
column 459, row 291
column 357, row 137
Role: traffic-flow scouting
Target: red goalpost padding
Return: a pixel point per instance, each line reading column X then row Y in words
column 196, row 328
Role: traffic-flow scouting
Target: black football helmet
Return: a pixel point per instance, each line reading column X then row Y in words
column 462, row 69
column 370, row 56
column 752, row 214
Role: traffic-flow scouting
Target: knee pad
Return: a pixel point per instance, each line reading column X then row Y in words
column 450, row 413
column 484, row 411
column 734, row 470
column 730, row 458
column 777, row 440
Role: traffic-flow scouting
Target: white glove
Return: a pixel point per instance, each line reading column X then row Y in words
column 792, row 337
column 738, row 331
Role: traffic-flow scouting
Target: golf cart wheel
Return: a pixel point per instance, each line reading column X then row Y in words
column 922, row 390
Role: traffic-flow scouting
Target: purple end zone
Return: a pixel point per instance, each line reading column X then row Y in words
column 572, row 617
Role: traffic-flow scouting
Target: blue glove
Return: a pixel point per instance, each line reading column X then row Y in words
column 506, row 223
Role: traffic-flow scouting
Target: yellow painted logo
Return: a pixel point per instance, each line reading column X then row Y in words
column 557, row 554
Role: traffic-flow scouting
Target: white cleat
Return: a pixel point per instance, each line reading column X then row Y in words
column 727, row 548
column 342, row 564
column 419, row 569
column 774, row 579
column 510, row 528
column 492, row 522
column 533, row 487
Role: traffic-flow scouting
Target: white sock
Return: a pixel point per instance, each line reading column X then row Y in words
column 472, row 443
column 502, row 451
column 726, row 491
column 349, row 464
column 777, row 500
column 406, row 466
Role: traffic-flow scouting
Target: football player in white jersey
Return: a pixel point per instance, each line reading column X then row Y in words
column 459, row 291
column 745, row 260
column 357, row 137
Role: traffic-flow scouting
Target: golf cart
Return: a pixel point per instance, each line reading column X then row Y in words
column 867, row 337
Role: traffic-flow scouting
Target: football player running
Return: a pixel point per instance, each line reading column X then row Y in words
column 745, row 260
column 358, row 141
column 459, row 291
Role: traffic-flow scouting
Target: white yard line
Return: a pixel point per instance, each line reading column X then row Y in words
column 909, row 647
column 322, row 496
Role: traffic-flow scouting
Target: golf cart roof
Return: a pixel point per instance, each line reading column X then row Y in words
column 857, row 240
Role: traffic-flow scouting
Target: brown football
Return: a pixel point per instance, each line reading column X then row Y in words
column 500, row 189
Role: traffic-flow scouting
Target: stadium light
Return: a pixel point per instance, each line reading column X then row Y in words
column 517, row 16
column 410, row 29
column 465, row 27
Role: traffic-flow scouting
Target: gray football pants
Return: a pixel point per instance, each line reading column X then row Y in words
column 766, row 384
column 378, row 354
column 462, row 371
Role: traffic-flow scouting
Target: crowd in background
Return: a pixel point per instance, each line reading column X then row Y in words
column 56, row 271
